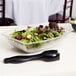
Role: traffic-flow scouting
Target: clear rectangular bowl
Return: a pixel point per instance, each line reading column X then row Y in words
column 44, row 45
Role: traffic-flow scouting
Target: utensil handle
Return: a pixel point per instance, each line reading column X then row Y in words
column 20, row 59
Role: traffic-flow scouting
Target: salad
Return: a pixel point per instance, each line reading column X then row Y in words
column 38, row 34
column 73, row 21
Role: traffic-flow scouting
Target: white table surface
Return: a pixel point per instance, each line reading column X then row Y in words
column 66, row 66
column 32, row 11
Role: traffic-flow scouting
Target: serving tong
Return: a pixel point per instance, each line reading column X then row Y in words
column 49, row 55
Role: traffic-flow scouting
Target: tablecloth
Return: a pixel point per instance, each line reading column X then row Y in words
column 26, row 12
column 66, row 66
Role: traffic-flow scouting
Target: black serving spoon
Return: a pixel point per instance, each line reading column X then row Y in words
column 50, row 55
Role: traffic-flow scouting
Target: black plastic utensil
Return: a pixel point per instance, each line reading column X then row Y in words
column 50, row 55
